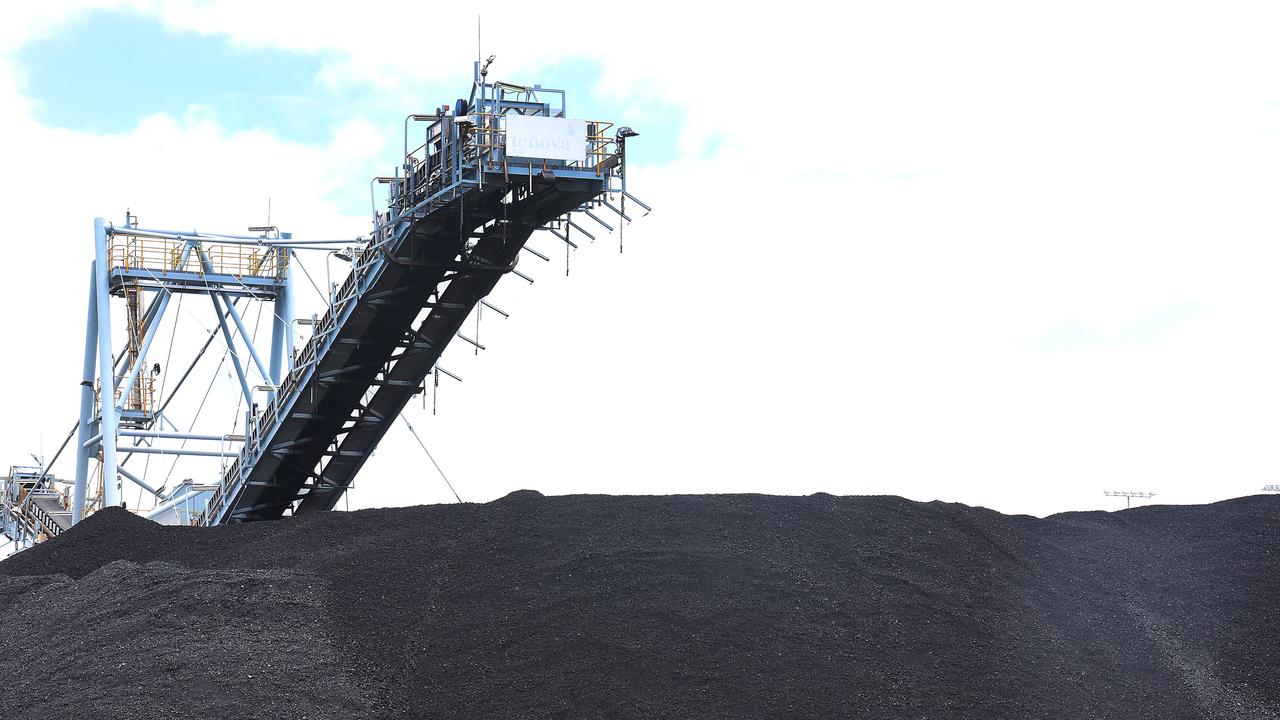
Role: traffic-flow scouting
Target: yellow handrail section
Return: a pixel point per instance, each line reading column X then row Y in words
column 599, row 143
column 165, row 255
column 141, row 397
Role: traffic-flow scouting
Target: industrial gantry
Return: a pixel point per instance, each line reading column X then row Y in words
column 490, row 172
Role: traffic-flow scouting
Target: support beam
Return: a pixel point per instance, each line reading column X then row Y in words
column 282, row 328
column 140, row 482
column 593, row 216
column 244, row 335
column 180, row 436
column 86, row 400
column 231, row 348
column 110, row 421
column 145, row 450
column 226, row 333
column 579, row 228
column 610, row 205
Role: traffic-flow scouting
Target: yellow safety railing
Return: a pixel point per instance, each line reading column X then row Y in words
column 599, row 144
column 489, row 136
column 141, row 396
column 166, row 255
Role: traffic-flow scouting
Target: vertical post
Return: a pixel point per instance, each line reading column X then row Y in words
column 86, row 400
column 282, row 326
column 102, row 295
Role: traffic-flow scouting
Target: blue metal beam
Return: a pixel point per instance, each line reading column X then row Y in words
column 110, row 478
column 282, row 329
column 231, row 348
column 248, row 339
column 86, row 399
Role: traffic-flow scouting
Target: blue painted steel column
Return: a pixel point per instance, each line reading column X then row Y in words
column 282, row 328
column 110, row 478
column 86, row 400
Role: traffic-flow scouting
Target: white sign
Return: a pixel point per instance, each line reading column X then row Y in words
column 546, row 138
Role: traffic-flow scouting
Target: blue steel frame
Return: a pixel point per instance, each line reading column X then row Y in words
column 99, row 428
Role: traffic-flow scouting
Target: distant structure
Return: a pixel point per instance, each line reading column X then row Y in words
column 1273, row 488
column 478, row 178
column 1128, row 495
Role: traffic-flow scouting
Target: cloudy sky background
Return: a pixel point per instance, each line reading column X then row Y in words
column 1007, row 254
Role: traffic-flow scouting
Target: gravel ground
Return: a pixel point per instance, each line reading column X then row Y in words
column 735, row 606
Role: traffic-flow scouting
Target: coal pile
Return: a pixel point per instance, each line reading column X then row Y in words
column 685, row 607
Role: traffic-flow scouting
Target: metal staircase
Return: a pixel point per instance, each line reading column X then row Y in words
column 32, row 507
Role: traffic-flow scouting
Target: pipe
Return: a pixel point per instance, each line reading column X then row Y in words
column 473, row 342
column 144, row 450
column 593, row 217
column 229, row 239
column 636, row 200
column 180, row 436
column 140, row 483
column 528, row 249
column 579, row 228
column 495, row 308
column 621, row 214
column 565, row 238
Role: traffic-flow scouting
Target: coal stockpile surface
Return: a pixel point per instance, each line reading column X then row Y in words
column 653, row 607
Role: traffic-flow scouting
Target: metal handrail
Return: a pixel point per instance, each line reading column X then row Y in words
column 132, row 252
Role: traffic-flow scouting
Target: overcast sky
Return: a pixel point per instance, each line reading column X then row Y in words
column 1006, row 254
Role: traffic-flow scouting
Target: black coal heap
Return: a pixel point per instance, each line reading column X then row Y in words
column 733, row 606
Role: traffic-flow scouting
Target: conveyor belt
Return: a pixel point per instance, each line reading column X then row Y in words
column 49, row 510
column 310, row 443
